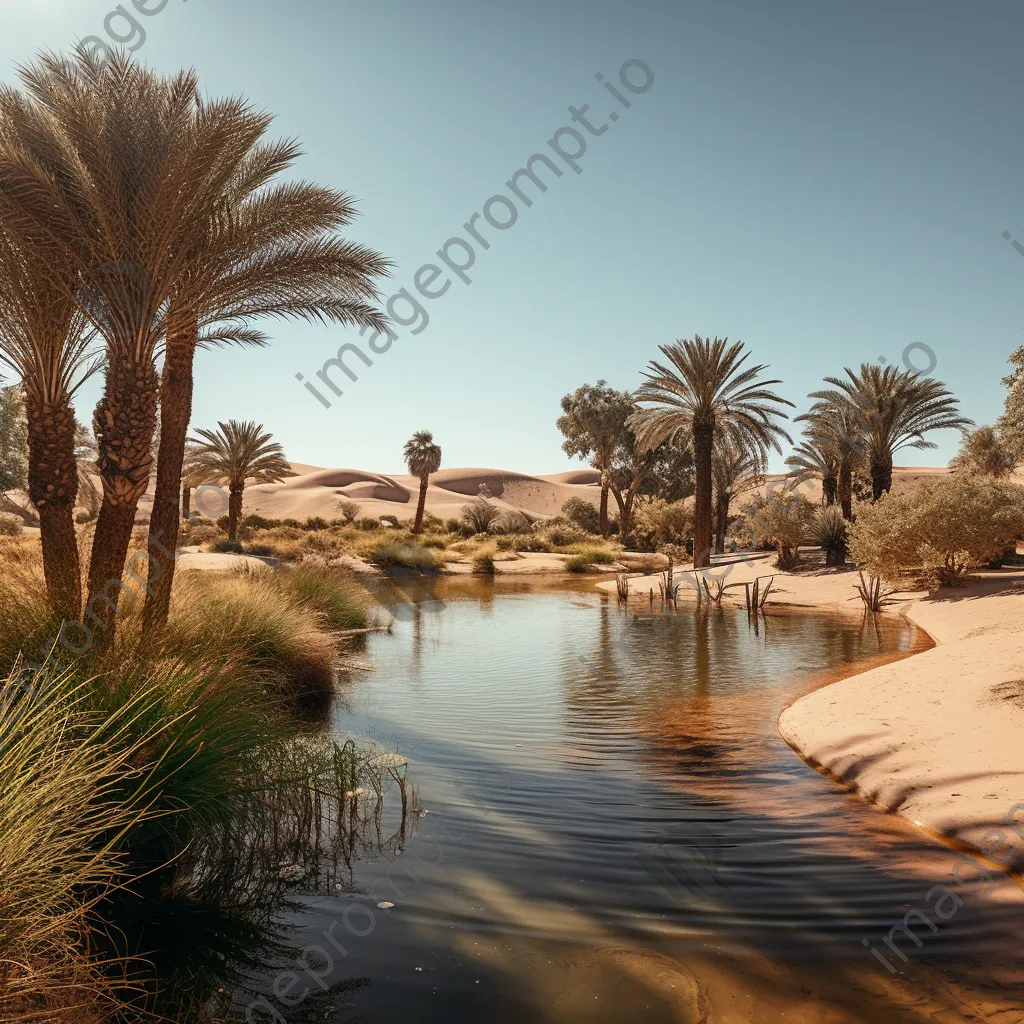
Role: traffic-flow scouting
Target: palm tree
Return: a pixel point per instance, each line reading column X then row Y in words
column 268, row 251
column 735, row 469
column 840, row 433
column 811, row 459
column 233, row 454
column 705, row 389
column 423, row 457
column 45, row 343
column 895, row 411
column 117, row 168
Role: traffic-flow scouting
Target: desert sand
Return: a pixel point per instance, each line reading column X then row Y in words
column 936, row 737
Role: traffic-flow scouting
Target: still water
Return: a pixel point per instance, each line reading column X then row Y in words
column 612, row 828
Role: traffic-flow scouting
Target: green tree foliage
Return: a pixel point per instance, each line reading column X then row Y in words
column 940, row 529
column 782, row 519
column 13, row 441
column 984, row 453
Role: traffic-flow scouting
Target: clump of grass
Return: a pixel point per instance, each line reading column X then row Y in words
column 332, row 593
column 404, row 555
column 227, row 547
column 582, row 561
column 483, row 562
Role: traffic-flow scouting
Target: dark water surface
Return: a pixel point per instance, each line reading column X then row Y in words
column 615, row 829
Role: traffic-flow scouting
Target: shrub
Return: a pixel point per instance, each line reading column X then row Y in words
column 939, row 529
column 781, row 519
column 483, row 563
column 293, row 523
column 10, row 524
column 225, row 547
column 581, row 561
column 557, row 533
column 316, row 523
column 366, row 523
column 350, row 509
column 511, row 521
column 255, row 522
column 830, row 530
column 583, row 514
column 478, row 515
column 453, row 525
column 658, row 522
column 437, row 543
column 404, row 555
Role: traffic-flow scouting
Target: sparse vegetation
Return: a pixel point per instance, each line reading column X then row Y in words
column 405, row 555
column 829, row 528
column 781, row 519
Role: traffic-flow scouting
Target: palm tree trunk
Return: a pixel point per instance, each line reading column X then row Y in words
column 124, row 422
column 829, row 486
column 881, row 478
column 175, row 414
column 235, row 508
column 186, row 501
column 722, row 521
column 703, row 436
column 421, row 504
column 845, row 489
column 52, row 489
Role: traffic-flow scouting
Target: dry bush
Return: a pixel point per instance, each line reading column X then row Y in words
column 782, row 519
column 658, row 522
column 939, row 530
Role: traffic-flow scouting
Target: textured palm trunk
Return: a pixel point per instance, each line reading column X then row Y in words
column 721, row 521
column 845, row 489
column 186, row 501
column 421, row 505
column 703, row 436
column 52, row 489
column 829, row 486
column 881, row 478
column 175, row 414
column 124, row 422
column 235, row 508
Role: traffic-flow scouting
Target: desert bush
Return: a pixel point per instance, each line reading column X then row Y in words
column 226, row 547
column 781, row 519
column 583, row 514
column 10, row 524
column 483, row 563
column 366, row 523
column 559, row 534
column 350, row 510
column 830, row 530
column 404, row 555
column 293, row 523
column 434, row 542
column 478, row 515
column 940, row 530
column 255, row 522
column 453, row 525
column 316, row 523
column 658, row 522
column 587, row 557
column 511, row 520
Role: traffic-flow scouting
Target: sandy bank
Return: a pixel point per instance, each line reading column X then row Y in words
column 937, row 738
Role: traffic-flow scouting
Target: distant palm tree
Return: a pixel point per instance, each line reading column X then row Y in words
column 233, row 454
column 705, row 389
column 811, row 459
column 735, row 469
column 423, row 457
column 895, row 410
column 840, row 433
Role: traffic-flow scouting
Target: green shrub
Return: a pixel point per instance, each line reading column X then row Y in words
column 658, row 522
column 829, row 529
column 368, row 524
column 782, row 519
column 404, row 555
column 478, row 515
column 331, row 592
column 940, row 529
column 226, row 547
column 560, row 534
column 293, row 523
column 316, row 523
column 583, row 514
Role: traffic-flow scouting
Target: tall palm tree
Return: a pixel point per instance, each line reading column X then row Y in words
column 703, row 389
column 234, row 453
column 423, row 457
column 811, row 459
column 895, row 410
column 45, row 343
column 113, row 166
column 735, row 468
column 268, row 251
column 840, row 432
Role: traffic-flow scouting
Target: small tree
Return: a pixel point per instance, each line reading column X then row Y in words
column 350, row 510
column 983, row 452
column 940, row 530
column 781, row 519
column 660, row 522
column 583, row 514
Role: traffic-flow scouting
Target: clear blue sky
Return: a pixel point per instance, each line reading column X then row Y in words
column 826, row 182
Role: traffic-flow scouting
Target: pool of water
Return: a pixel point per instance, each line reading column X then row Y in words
column 612, row 826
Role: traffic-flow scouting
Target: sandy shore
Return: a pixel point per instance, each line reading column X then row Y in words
column 937, row 738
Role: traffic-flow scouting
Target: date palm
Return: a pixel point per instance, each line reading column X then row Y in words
column 735, row 468
column 45, row 343
column 268, row 251
column 423, row 457
column 811, row 459
column 233, row 454
column 705, row 388
column 895, row 411
column 839, row 432
column 116, row 168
